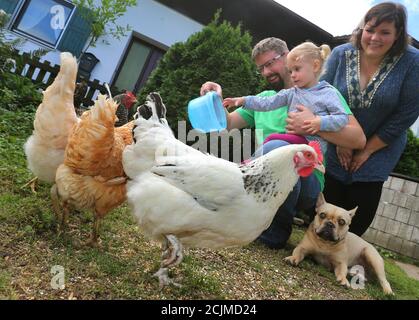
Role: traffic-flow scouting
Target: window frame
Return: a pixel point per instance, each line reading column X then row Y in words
column 18, row 14
column 138, row 37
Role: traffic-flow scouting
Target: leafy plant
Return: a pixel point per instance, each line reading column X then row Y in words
column 408, row 163
column 17, row 92
column 219, row 53
column 103, row 16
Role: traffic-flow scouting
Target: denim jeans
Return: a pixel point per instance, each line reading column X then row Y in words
column 302, row 197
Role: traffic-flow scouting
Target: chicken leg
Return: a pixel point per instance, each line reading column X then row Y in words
column 172, row 256
column 60, row 215
column 94, row 237
column 31, row 183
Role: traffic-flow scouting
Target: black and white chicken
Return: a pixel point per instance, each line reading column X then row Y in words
column 183, row 197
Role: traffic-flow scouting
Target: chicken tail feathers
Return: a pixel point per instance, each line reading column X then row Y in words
column 54, row 120
column 65, row 82
column 103, row 111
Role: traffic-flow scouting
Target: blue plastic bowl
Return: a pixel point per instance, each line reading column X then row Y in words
column 207, row 113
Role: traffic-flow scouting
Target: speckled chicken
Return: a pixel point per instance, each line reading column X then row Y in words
column 182, row 197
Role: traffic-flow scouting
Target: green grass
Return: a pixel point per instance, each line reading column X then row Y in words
column 123, row 267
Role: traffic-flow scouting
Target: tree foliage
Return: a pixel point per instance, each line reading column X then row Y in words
column 103, row 16
column 408, row 163
column 219, row 53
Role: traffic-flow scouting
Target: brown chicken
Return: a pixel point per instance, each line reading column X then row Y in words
column 92, row 176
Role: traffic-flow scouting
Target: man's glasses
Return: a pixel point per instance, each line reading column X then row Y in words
column 268, row 63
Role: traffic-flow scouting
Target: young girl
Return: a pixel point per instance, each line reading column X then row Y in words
column 304, row 64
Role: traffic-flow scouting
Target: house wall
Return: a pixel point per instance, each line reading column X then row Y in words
column 396, row 223
column 415, row 128
column 148, row 18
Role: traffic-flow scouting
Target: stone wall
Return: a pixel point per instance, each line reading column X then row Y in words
column 396, row 223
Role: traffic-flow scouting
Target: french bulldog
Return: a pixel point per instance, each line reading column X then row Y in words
column 328, row 241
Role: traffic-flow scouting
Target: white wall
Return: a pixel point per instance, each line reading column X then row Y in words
column 415, row 128
column 149, row 18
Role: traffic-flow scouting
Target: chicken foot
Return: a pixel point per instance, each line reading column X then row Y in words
column 32, row 184
column 172, row 256
column 94, row 237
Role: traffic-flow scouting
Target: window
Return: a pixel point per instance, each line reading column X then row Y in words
column 43, row 20
column 139, row 61
column 54, row 23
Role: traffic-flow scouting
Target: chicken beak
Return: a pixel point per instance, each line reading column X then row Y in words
column 320, row 167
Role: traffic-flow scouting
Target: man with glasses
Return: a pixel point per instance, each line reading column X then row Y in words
column 270, row 58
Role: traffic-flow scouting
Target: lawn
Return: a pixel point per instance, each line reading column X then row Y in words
column 122, row 268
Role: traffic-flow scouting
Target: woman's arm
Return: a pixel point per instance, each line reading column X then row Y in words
column 407, row 110
column 351, row 136
column 373, row 145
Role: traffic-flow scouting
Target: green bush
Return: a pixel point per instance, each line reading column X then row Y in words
column 16, row 92
column 408, row 163
column 219, row 53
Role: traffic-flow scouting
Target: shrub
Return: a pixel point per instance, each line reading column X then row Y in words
column 16, row 92
column 219, row 53
column 408, row 163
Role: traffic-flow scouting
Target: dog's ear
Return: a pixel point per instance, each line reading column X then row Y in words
column 352, row 212
column 320, row 200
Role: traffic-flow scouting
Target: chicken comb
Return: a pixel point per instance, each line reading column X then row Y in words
column 130, row 94
column 316, row 146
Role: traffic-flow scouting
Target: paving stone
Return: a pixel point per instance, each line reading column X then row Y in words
column 415, row 235
column 370, row 235
column 390, row 211
column 395, row 244
column 382, row 239
column 416, row 254
column 387, row 183
column 380, row 223
column 416, row 204
column 396, row 184
column 399, row 199
column 409, row 187
column 405, row 231
column 387, row 196
column 408, row 248
column 380, row 209
column 393, row 227
column 414, row 219
column 403, row 215
column 410, row 201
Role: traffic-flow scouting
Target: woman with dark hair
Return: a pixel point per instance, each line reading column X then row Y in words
column 378, row 74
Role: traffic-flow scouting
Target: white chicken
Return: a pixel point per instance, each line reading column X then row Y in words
column 54, row 120
column 183, row 197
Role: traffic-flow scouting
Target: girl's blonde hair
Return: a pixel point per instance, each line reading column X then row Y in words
column 311, row 51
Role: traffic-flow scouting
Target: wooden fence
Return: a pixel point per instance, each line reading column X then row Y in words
column 43, row 74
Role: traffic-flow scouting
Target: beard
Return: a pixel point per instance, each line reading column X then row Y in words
column 278, row 84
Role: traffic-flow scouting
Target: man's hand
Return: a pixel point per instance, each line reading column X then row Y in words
column 312, row 126
column 344, row 156
column 296, row 120
column 211, row 86
column 233, row 102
